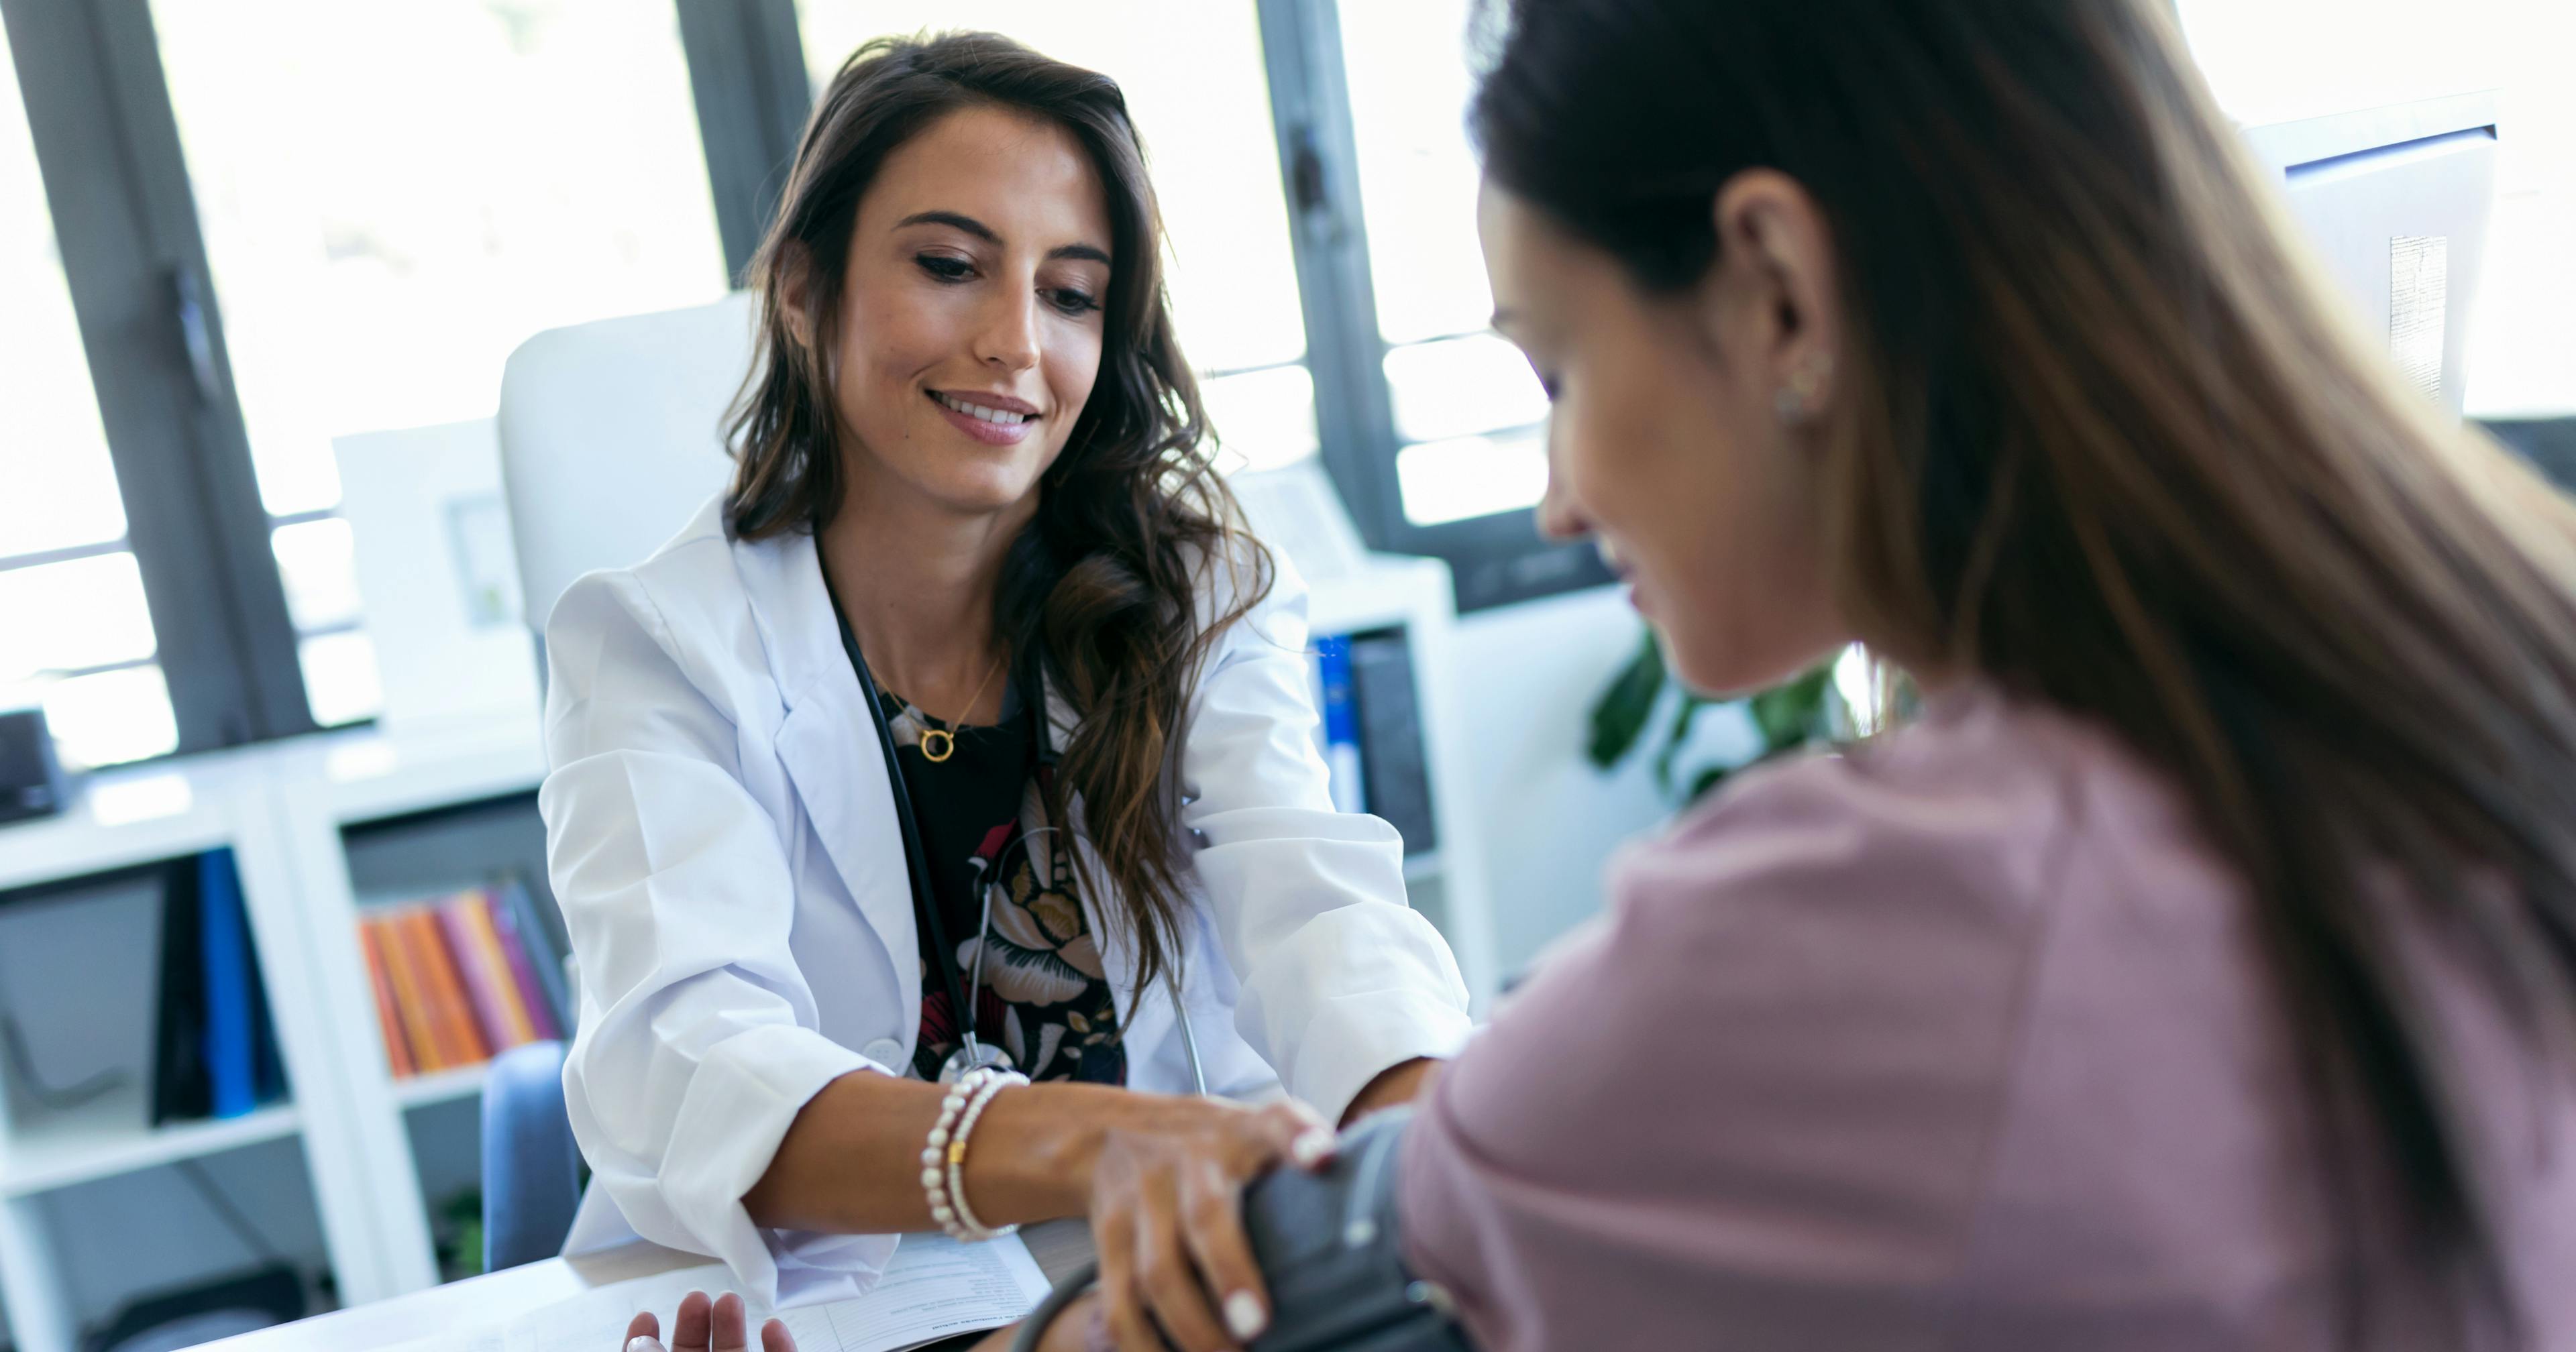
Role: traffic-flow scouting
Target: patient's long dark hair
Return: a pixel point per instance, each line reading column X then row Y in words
column 2112, row 447
column 1109, row 580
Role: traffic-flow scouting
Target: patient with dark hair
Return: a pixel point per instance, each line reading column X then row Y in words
column 2193, row 964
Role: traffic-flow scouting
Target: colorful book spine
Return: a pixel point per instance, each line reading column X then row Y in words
column 1341, row 724
column 544, row 963
column 514, row 955
column 451, row 1013
column 1397, row 769
column 226, row 950
column 487, row 985
column 388, row 1017
column 411, row 997
column 180, row 1089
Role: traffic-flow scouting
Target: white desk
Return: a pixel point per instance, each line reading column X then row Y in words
column 499, row 1297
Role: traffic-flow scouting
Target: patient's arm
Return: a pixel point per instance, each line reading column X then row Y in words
column 1395, row 1085
column 1328, row 1246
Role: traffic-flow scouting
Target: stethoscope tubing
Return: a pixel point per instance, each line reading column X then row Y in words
column 916, row 855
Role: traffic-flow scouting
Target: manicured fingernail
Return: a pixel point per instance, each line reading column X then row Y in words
column 643, row 1344
column 1243, row 1315
column 1312, row 1148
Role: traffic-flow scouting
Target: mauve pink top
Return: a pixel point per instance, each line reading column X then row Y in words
column 1958, row 1041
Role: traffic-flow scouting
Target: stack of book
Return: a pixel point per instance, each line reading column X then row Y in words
column 1371, row 731
column 215, row 1048
column 461, row 977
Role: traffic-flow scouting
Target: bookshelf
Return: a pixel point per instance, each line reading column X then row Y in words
column 1387, row 593
column 110, row 1135
column 324, row 827
column 124, row 824
column 439, row 1086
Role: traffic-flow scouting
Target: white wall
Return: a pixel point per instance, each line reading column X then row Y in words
column 1527, row 676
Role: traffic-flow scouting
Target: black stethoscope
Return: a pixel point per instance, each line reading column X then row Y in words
column 971, row 1054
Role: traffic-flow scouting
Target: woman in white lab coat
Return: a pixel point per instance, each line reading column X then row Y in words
column 971, row 473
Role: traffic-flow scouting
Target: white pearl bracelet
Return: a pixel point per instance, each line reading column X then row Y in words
column 943, row 1158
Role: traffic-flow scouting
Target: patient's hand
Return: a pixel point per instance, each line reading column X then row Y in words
column 701, row 1325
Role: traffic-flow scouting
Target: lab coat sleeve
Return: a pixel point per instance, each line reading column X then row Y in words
column 1341, row 979
column 698, row 1040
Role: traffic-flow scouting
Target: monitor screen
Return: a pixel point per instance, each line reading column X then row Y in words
column 2395, row 202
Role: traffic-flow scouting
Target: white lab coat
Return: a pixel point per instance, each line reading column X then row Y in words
column 721, row 834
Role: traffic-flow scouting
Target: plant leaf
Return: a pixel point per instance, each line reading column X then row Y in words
column 1619, row 716
column 1675, row 739
column 1791, row 714
column 1708, row 779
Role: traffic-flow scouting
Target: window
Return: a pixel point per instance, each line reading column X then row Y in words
column 275, row 224
column 382, row 232
column 2278, row 60
column 1469, row 415
column 75, row 633
column 1192, row 72
column 1434, row 425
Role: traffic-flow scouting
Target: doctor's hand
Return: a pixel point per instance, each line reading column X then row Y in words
column 700, row 1325
column 1167, row 1218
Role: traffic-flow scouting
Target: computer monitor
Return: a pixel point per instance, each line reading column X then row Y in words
column 2396, row 201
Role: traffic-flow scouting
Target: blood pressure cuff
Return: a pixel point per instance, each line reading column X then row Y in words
column 1330, row 1253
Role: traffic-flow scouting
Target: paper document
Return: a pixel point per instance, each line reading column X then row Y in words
column 935, row 1288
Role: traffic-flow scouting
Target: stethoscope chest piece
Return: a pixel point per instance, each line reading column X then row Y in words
column 972, row 1057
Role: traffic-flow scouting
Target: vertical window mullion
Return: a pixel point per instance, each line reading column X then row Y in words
column 1310, row 110
column 107, row 144
column 1496, row 559
column 747, row 76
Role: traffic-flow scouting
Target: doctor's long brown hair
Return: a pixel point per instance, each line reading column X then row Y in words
column 1109, row 580
column 2108, row 443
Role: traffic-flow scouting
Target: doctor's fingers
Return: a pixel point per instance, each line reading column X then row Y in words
column 1167, row 1275
column 1113, row 1238
column 1210, row 1212
column 1309, row 1141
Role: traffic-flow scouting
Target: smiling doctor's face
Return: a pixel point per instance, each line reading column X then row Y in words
column 970, row 318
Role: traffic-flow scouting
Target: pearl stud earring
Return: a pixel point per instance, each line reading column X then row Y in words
column 1795, row 401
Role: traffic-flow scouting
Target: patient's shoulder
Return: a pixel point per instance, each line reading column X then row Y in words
column 1987, row 801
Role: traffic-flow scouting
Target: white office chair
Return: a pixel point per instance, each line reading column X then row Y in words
column 611, row 437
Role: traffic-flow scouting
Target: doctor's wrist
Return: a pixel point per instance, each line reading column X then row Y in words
column 1036, row 1148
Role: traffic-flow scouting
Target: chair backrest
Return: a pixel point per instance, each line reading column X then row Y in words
column 611, row 437
column 531, row 1165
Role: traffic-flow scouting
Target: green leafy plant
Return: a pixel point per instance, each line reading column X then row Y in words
column 460, row 1247
column 1785, row 717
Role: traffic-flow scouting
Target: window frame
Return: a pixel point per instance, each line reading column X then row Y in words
column 747, row 77
column 89, row 73
column 1494, row 560
column 134, row 257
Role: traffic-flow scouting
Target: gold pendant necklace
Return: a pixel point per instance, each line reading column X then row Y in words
column 947, row 737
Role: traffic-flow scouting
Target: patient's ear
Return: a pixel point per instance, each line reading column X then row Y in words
column 1774, row 298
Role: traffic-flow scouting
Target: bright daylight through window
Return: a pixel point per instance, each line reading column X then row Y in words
column 1467, row 408
column 75, row 635
column 384, row 232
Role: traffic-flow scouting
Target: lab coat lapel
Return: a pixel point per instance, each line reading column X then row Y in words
column 830, row 748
